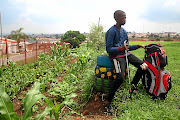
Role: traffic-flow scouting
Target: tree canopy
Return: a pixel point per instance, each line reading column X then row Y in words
column 73, row 37
column 18, row 35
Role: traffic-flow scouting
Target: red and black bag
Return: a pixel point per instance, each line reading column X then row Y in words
column 156, row 79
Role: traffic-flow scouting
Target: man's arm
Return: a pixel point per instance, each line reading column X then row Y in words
column 134, row 47
column 110, row 36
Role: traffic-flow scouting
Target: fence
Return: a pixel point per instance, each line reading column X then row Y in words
column 13, row 51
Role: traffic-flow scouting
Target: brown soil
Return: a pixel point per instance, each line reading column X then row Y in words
column 94, row 109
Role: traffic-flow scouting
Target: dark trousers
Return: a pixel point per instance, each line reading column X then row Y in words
column 132, row 60
column 138, row 76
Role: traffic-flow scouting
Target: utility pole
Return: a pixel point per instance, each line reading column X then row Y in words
column 98, row 22
column 1, row 25
column 98, row 33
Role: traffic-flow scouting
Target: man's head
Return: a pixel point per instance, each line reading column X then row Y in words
column 120, row 17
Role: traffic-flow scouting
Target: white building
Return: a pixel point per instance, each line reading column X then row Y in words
column 12, row 46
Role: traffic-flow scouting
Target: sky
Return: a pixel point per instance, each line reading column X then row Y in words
column 59, row 16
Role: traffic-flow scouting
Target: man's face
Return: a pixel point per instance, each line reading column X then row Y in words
column 122, row 19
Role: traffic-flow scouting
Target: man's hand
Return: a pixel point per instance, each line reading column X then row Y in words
column 143, row 46
column 126, row 44
column 123, row 47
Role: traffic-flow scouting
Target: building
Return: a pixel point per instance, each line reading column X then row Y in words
column 12, row 46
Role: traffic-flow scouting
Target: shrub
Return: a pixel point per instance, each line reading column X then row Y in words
column 73, row 37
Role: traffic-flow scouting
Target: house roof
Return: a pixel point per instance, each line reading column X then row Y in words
column 9, row 40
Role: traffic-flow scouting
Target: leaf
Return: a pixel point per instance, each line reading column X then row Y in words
column 49, row 102
column 71, row 95
column 6, row 107
column 43, row 87
column 43, row 114
column 68, row 100
column 32, row 96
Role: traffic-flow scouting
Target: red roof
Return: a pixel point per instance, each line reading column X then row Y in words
column 9, row 40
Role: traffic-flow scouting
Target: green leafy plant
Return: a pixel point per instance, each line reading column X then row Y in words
column 6, row 106
column 61, row 90
column 33, row 95
column 58, row 108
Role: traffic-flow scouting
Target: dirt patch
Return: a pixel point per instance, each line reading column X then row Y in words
column 17, row 107
column 94, row 109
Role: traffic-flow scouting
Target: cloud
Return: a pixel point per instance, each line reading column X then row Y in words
column 50, row 16
column 63, row 15
column 162, row 11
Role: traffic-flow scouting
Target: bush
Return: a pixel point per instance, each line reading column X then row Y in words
column 96, row 36
column 73, row 37
column 167, row 39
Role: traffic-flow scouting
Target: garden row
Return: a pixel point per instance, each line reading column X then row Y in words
column 44, row 74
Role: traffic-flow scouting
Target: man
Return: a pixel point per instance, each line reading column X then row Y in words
column 116, row 44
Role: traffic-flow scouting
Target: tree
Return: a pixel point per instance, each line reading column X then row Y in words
column 151, row 35
column 96, row 36
column 18, row 35
column 73, row 37
column 177, row 36
column 56, row 35
column 156, row 36
column 169, row 35
column 134, row 36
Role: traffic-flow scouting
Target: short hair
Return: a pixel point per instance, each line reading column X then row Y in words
column 117, row 15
